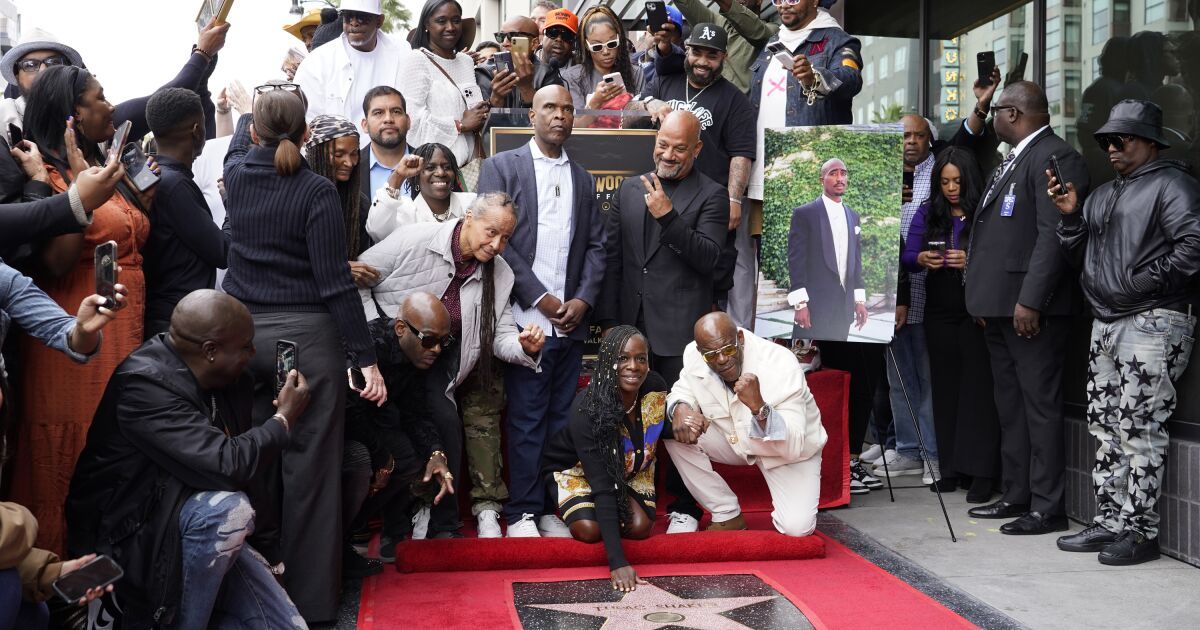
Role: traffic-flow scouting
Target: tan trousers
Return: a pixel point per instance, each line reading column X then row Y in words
column 795, row 488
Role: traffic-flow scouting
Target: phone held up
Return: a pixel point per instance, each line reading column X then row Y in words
column 118, row 141
column 135, row 166
column 985, row 62
column 503, row 61
column 285, row 361
column 1058, row 176
column 520, row 45
column 656, row 16
column 98, row 573
column 781, row 54
column 106, row 273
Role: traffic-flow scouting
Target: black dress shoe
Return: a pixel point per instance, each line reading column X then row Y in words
column 1035, row 523
column 356, row 566
column 999, row 509
column 945, row 484
column 1094, row 538
column 1130, row 548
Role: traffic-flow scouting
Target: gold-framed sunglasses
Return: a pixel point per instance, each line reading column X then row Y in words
column 725, row 351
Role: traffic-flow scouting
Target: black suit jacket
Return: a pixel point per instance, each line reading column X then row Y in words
column 1017, row 259
column 364, row 163
column 512, row 172
column 670, row 282
column 812, row 265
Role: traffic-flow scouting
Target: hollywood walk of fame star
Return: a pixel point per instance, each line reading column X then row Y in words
column 651, row 607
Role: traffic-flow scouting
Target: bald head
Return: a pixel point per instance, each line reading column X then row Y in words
column 519, row 23
column 1028, row 97
column 677, row 145
column 1021, row 109
column 425, row 311
column 207, row 314
column 714, row 326
column 421, row 320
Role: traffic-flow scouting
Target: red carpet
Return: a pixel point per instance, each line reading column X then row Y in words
column 840, row 590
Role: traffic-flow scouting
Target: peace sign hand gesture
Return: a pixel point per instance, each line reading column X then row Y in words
column 657, row 201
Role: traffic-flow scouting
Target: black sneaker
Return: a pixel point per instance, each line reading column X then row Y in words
column 861, row 481
column 1093, row 538
column 356, row 566
column 387, row 549
column 1130, row 548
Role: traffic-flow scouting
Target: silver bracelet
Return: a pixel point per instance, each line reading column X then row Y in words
column 283, row 420
column 77, row 209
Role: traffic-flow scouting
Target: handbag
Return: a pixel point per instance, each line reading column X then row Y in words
column 469, row 172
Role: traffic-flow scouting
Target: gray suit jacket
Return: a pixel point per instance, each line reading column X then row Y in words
column 512, row 172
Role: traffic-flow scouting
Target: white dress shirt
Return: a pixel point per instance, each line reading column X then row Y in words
column 839, row 229
column 555, row 224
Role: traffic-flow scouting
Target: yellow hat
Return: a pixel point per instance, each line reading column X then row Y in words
column 312, row 18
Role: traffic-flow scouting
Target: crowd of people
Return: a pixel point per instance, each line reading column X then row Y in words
column 436, row 296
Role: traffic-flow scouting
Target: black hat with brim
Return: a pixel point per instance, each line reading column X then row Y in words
column 1135, row 118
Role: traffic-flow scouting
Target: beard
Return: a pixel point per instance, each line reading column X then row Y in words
column 713, row 75
column 669, row 171
column 387, row 143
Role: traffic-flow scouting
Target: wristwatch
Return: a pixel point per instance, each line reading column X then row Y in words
column 763, row 412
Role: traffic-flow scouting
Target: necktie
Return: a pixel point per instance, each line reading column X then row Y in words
column 1012, row 155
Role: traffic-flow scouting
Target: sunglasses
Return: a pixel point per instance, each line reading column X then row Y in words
column 1116, row 140
column 612, row 43
column 727, row 351
column 429, row 341
column 271, row 87
column 31, row 66
column 560, row 33
column 790, row 3
column 503, row 35
column 358, row 16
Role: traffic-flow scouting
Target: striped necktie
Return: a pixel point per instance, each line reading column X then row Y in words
column 1012, row 155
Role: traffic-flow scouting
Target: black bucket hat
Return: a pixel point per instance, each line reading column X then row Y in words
column 1136, row 118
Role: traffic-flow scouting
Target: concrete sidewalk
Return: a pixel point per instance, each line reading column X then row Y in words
column 1024, row 577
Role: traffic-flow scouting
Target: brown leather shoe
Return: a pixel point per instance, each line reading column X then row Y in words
column 734, row 523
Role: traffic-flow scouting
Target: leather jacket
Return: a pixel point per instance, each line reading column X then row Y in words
column 1137, row 241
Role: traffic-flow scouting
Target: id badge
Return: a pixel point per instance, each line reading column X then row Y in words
column 1010, row 201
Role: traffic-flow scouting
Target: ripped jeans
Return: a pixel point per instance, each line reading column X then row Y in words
column 224, row 579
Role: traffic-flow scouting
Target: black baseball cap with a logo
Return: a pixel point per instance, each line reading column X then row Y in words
column 707, row 35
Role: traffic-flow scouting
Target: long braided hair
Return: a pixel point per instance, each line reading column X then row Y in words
column 320, row 159
column 489, row 202
column 426, row 152
column 602, row 403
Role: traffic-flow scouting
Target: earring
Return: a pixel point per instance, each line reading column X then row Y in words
column 614, row 366
column 211, row 358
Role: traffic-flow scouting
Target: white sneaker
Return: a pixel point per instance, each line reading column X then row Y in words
column 871, row 455
column 420, row 522
column 488, row 524
column 937, row 473
column 524, row 528
column 898, row 465
column 550, row 526
column 681, row 523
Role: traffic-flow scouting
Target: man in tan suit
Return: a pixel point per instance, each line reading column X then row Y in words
column 742, row 400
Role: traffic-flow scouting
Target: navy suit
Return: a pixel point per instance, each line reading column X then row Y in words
column 541, row 401
column 812, row 265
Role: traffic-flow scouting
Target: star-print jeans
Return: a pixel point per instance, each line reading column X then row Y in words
column 1133, row 364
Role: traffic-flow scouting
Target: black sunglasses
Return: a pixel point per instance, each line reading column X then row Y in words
column 358, row 16
column 429, row 341
column 1117, row 140
column 503, row 35
column 561, row 33
column 30, row 66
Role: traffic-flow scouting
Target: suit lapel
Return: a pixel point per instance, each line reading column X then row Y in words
column 1006, row 179
column 682, row 200
column 851, row 242
column 640, row 216
column 826, row 237
column 528, row 204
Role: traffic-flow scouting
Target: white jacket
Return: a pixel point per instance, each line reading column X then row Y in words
column 327, row 77
column 387, row 214
column 782, row 384
column 419, row 258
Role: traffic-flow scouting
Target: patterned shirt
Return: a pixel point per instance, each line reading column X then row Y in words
column 463, row 269
column 922, row 183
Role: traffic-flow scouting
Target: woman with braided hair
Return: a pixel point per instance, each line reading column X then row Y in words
column 601, row 466
column 332, row 151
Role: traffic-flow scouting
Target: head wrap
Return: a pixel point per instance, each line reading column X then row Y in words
column 326, row 127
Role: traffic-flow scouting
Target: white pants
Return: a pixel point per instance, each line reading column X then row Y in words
column 795, row 488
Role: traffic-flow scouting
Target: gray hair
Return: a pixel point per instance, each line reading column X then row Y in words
column 489, row 200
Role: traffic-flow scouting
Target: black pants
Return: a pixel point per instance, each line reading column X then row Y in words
column 864, row 362
column 964, row 404
column 1028, row 392
column 444, row 517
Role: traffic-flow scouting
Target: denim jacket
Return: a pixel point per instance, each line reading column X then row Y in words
column 21, row 301
column 837, row 57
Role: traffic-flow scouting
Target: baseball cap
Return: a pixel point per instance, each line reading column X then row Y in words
column 707, row 35
column 374, row 7
column 562, row 17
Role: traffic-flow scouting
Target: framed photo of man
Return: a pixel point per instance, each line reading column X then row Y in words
column 831, row 231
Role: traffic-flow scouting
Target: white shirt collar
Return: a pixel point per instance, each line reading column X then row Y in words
column 829, row 203
column 1024, row 143
column 538, row 155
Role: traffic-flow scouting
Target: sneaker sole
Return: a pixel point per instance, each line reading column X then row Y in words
column 860, row 491
column 880, row 472
column 1125, row 562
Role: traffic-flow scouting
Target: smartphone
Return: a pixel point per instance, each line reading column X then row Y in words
column 358, row 382
column 908, row 179
column 106, row 273
column 656, row 16
column 520, row 45
column 985, row 62
column 614, row 77
column 118, row 141
column 1018, row 72
column 285, row 361
column 937, row 246
column 1062, row 183
column 135, row 166
column 98, row 573
column 503, row 61
column 781, row 54
column 15, row 137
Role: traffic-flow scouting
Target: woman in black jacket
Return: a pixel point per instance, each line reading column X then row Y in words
column 605, row 456
column 288, row 265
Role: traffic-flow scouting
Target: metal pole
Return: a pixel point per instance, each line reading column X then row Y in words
column 924, row 103
column 1039, row 42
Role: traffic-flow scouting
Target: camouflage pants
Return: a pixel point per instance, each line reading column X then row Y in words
column 1133, row 363
column 481, row 409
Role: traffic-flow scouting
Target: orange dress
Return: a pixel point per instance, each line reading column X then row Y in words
column 58, row 396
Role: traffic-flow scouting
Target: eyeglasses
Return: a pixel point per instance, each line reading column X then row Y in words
column 429, row 341
column 1000, row 108
column 727, row 351
column 790, row 3
column 503, row 35
column 358, row 16
column 612, row 43
column 559, row 32
column 33, row 66
column 1117, row 140
column 271, row 87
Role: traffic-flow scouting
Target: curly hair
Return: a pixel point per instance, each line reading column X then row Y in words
column 596, row 16
column 320, row 159
column 171, row 110
column 602, row 403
